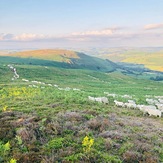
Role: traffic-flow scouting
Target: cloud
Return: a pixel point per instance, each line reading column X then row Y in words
column 114, row 36
column 23, row 37
column 114, row 33
column 78, row 36
column 103, row 32
column 153, row 26
column 28, row 37
column 6, row 36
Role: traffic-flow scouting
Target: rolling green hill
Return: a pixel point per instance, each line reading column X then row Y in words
column 151, row 58
column 64, row 58
column 75, row 60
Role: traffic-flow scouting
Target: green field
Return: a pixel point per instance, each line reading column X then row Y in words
column 59, row 58
column 150, row 57
column 44, row 123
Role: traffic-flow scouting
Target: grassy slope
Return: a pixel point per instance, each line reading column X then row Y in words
column 69, row 58
column 56, row 55
column 57, row 121
column 151, row 60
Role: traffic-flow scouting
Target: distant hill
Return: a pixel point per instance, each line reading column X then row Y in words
column 76, row 60
column 47, row 54
column 151, row 58
column 62, row 58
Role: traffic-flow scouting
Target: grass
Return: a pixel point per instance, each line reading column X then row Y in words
column 49, row 125
column 150, row 59
column 56, row 55
column 59, row 58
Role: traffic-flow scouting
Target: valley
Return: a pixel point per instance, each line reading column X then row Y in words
column 150, row 57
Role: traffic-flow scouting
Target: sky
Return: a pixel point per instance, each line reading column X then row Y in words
column 80, row 23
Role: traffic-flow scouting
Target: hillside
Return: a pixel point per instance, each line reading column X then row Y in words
column 67, row 58
column 46, row 115
column 76, row 60
column 151, row 58
column 48, row 54
column 153, row 61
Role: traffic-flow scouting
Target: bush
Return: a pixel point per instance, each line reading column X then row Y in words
column 55, row 143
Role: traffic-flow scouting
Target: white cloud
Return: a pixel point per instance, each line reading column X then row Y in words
column 109, row 36
column 153, row 26
column 78, row 36
column 104, row 32
column 22, row 37
column 28, row 37
column 6, row 37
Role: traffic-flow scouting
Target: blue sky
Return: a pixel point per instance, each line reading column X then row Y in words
column 80, row 23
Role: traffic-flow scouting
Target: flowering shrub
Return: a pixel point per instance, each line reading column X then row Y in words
column 87, row 144
column 15, row 92
column 4, row 108
column 12, row 161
